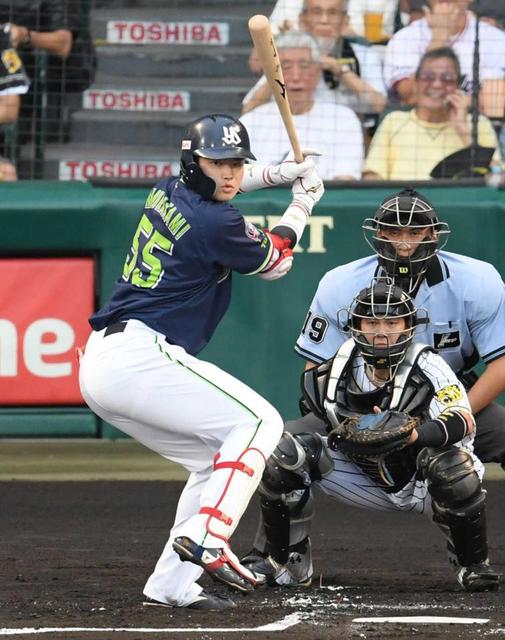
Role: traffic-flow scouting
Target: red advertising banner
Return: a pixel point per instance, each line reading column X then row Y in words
column 45, row 304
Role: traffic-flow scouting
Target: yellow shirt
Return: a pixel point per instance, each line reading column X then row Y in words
column 406, row 148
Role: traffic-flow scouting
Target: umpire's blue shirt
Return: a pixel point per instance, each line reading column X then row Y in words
column 177, row 275
column 464, row 299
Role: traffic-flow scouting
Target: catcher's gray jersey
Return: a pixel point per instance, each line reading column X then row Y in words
column 348, row 482
column 464, row 298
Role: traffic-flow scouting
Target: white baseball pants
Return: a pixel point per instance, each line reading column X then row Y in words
column 189, row 411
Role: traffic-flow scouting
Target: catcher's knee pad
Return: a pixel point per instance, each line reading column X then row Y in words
column 318, row 461
column 295, row 463
column 453, row 483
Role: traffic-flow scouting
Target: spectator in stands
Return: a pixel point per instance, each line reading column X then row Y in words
column 35, row 26
column 286, row 14
column 8, row 171
column 409, row 144
column 448, row 23
column 352, row 70
column 329, row 127
column 13, row 83
column 13, row 80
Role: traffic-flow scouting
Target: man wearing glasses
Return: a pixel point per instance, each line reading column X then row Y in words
column 352, row 69
column 409, row 144
column 448, row 23
column 320, row 125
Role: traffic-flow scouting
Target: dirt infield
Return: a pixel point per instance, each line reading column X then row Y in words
column 76, row 555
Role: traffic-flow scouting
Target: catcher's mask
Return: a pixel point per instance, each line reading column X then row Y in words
column 381, row 301
column 216, row 137
column 406, row 209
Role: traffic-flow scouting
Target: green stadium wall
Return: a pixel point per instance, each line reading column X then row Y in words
column 255, row 340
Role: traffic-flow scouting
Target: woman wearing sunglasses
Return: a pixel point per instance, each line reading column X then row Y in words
column 409, row 144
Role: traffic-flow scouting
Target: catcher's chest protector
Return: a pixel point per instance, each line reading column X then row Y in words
column 410, row 391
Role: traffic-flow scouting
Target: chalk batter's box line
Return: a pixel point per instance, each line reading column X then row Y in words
column 280, row 625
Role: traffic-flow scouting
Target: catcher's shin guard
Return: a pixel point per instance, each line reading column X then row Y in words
column 287, row 522
column 286, row 501
column 458, row 501
column 243, row 476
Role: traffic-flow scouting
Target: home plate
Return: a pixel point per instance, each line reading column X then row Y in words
column 423, row 620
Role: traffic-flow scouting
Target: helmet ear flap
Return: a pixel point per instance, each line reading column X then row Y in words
column 194, row 178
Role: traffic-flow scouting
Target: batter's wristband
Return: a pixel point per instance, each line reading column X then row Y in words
column 448, row 428
column 295, row 218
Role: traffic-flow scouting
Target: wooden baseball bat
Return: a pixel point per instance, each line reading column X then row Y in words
column 261, row 34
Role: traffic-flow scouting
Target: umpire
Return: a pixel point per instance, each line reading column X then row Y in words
column 464, row 299
column 465, row 302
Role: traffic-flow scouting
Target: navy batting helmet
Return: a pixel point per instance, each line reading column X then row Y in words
column 406, row 209
column 216, row 137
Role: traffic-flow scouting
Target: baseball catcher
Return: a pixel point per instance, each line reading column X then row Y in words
column 399, row 436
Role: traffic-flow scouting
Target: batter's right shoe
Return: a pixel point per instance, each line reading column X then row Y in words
column 204, row 602
column 479, row 577
column 221, row 564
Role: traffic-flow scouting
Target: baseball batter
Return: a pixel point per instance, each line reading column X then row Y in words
column 431, row 469
column 140, row 370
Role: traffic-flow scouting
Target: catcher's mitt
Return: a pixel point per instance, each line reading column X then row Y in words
column 373, row 434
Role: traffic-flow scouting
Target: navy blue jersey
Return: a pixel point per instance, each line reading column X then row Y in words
column 177, row 275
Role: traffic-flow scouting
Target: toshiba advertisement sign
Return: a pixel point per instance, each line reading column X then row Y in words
column 45, row 304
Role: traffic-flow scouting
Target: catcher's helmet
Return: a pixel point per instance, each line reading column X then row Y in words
column 383, row 300
column 217, row 137
column 406, row 209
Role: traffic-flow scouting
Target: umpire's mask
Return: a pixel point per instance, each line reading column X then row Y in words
column 405, row 210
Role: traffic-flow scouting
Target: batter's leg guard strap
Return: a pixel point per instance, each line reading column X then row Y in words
column 215, row 513
column 231, row 464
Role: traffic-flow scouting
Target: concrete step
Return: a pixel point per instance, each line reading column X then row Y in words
column 214, row 25
column 155, row 129
column 173, row 62
column 153, row 83
column 88, row 161
column 256, row 6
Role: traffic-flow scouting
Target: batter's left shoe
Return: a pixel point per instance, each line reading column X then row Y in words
column 222, row 565
column 479, row 577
